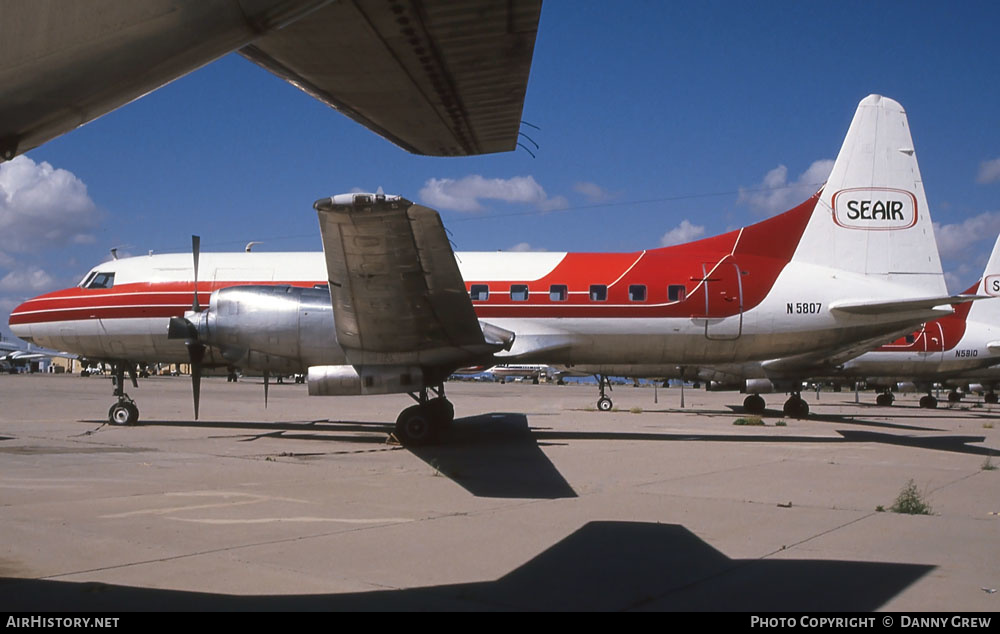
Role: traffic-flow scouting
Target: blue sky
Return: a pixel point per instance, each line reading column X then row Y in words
column 653, row 117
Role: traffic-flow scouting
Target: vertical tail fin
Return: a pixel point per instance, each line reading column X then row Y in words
column 872, row 216
column 988, row 310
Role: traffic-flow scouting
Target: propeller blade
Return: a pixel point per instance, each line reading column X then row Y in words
column 196, row 251
column 196, row 352
column 266, row 375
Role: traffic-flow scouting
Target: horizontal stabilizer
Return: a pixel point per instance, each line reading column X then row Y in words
column 941, row 305
column 820, row 362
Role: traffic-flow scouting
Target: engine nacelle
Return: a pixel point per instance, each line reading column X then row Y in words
column 344, row 380
column 758, row 386
column 277, row 328
column 722, row 386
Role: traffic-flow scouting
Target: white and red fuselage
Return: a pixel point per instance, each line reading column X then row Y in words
column 737, row 296
column 854, row 263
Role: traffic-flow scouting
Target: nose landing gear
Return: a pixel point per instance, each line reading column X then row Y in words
column 604, row 402
column 125, row 411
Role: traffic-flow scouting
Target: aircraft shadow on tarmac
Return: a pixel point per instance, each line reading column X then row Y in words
column 499, row 455
column 958, row 444
column 603, row 566
column 833, row 418
column 493, row 455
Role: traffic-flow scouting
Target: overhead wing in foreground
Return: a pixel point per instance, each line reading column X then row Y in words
column 441, row 77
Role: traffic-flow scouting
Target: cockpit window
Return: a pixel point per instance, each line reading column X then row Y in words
column 100, row 280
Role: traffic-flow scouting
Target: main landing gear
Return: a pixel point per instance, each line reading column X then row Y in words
column 125, row 411
column 795, row 406
column 991, row 397
column 754, row 404
column 885, row 399
column 928, row 402
column 420, row 424
column 604, row 402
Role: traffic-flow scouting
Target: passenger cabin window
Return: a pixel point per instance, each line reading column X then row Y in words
column 676, row 292
column 910, row 338
column 479, row 292
column 558, row 292
column 519, row 292
column 637, row 293
column 598, row 293
column 100, row 280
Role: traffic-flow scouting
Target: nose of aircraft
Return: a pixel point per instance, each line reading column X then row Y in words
column 17, row 322
column 31, row 314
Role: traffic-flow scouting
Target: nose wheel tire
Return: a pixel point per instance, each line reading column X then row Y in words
column 604, row 404
column 123, row 414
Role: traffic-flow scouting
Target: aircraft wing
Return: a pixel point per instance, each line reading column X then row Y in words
column 441, row 77
column 33, row 354
column 398, row 296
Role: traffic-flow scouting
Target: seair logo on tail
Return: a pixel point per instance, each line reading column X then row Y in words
column 874, row 208
column 992, row 285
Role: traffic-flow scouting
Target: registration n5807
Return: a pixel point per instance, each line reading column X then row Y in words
column 803, row 308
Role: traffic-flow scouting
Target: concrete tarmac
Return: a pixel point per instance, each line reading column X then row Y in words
column 535, row 502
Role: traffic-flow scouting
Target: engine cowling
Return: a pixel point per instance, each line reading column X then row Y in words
column 758, row 386
column 283, row 329
column 344, row 380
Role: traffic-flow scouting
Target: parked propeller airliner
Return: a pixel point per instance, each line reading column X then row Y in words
column 960, row 344
column 964, row 343
column 388, row 307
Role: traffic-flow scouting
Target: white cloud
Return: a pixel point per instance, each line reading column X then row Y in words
column 775, row 194
column 41, row 206
column 989, row 171
column 955, row 240
column 464, row 194
column 593, row 193
column 524, row 247
column 965, row 247
column 32, row 280
column 954, row 282
column 684, row 232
